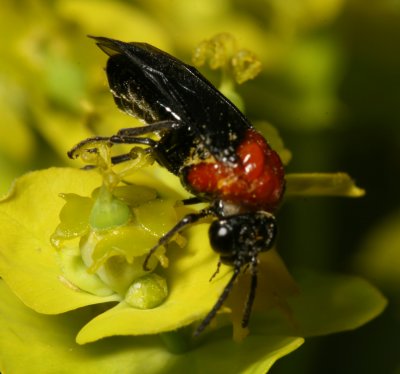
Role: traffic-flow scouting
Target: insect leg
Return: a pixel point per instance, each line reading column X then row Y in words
column 192, row 200
column 116, row 139
column 252, row 293
column 216, row 271
column 182, row 224
column 126, row 136
column 121, row 158
column 217, row 306
column 153, row 127
column 72, row 153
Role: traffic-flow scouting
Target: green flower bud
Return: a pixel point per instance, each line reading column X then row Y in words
column 147, row 292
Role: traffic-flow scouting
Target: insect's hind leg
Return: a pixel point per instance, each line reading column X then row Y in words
column 125, row 136
column 153, row 127
column 74, row 151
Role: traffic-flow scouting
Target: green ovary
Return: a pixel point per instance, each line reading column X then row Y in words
column 147, row 292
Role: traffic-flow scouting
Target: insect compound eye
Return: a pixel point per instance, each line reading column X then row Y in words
column 243, row 235
column 222, row 237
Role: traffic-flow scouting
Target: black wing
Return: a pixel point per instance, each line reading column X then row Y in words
column 153, row 85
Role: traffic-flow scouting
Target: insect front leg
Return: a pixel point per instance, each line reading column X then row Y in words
column 188, row 220
column 192, row 200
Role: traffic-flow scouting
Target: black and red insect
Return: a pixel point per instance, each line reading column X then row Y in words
column 209, row 144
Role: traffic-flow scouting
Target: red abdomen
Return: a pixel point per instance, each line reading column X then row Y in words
column 257, row 182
